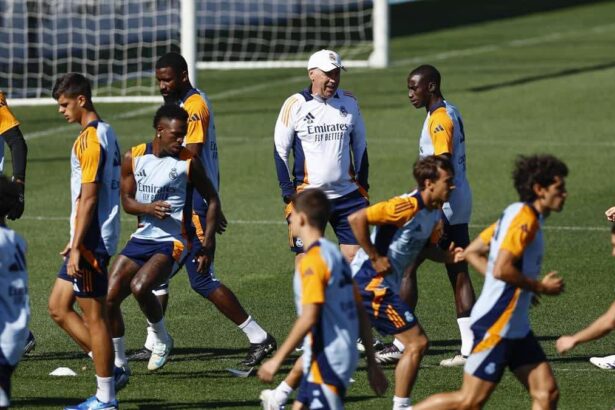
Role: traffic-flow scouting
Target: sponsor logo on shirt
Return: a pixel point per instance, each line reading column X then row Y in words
column 309, row 118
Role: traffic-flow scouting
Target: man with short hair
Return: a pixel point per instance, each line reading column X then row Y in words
column 95, row 229
column 443, row 134
column 406, row 226
column 323, row 126
column 176, row 88
column 330, row 314
column 14, row 295
column 156, row 187
column 509, row 253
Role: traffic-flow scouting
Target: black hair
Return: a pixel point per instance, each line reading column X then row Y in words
column 536, row 169
column 315, row 204
column 173, row 60
column 427, row 168
column 171, row 112
column 72, row 85
column 9, row 195
column 427, row 72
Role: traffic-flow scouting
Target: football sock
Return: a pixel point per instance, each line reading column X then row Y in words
column 105, row 391
column 401, row 403
column 399, row 345
column 467, row 337
column 120, row 351
column 151, row 338
column 253, row 331
column 281, row 393
column 160, row 331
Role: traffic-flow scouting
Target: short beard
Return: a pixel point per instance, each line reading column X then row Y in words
column 171, row 99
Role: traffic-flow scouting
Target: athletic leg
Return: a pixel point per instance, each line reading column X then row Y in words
column 539, row 380
column 473, row 395
column 61, row 309
column 415, row 344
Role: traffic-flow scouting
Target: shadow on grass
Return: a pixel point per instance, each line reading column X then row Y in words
column 540, row 77
column 66, row 401
column 72, row 355
column 214, row 404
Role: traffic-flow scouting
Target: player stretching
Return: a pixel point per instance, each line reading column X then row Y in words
column 442, row 134
column 404, row 225
column 156, row 182
column 330, row 314
column 175, row 87
column 95, row 229
column 14, row 298
column 510, row 253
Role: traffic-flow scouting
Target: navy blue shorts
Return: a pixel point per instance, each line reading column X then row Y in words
column 388, row 313
column 141, row 250
column 94, row 278
column 489, row 360
column 341, row 208
column 320, row 396
column 202, row 283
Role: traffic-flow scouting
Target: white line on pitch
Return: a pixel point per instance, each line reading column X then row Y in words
column 282, row 222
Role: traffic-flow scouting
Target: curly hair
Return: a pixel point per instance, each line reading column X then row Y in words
column 536, row 169
column 170, row 112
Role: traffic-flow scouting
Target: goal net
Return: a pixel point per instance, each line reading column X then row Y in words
column 116, row 43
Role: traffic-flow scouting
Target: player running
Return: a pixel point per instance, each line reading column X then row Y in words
column 330, row 314
column 156, row 186
column 14, row 296
column 510, row 253
column 95, row 229
column 404, row 226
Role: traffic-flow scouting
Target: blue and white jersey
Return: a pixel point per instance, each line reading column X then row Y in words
column 162, row 179
column 330, row 350
column 327, row 138
column 96, row 158
column 443, row 133
column 14, row 297
column 404, row 225
column 502, row 310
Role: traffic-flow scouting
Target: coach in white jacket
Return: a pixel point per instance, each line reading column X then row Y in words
column 323, row 127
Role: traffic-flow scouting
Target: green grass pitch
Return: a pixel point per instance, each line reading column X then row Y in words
column 544, row 82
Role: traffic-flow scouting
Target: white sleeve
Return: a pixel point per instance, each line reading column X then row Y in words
column 283, row 141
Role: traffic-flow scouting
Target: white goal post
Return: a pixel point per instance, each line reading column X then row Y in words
column 116, row 43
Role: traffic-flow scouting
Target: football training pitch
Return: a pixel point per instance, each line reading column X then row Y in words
column 541, row 83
